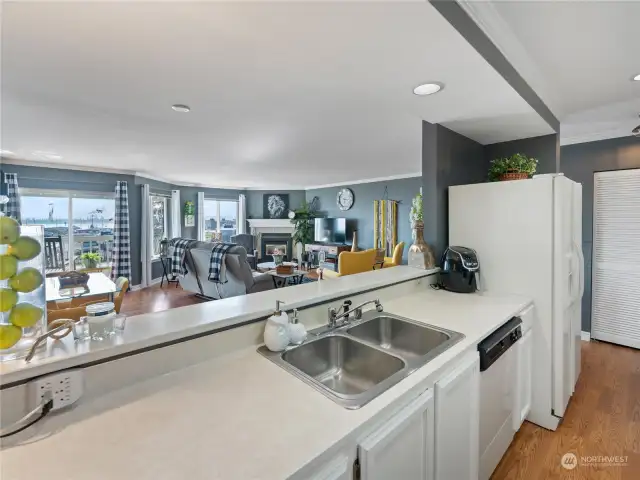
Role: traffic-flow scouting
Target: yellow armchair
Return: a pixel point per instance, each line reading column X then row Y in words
column 397, row 257
column 350, row 263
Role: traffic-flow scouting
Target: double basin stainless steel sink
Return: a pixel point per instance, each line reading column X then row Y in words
column 356, row 362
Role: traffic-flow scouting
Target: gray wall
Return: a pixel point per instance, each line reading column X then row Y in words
column 402, row 190
column 544, row 148
column 448, row 158
column 254, row 200
column 579, row 162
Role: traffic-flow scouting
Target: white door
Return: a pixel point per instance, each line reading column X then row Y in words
column 524, row 372
column 579, row 283
column 615, row 311
column 403, row 447
column 564, row 294
column 457, row 423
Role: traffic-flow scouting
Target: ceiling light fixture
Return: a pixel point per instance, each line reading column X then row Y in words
column 428, row 88
column 181, row 108
column 637, row 78
column 6, row 152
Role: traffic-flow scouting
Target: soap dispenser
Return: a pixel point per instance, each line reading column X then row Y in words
column 297, row 331
column 276, row 331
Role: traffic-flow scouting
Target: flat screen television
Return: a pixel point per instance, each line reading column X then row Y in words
column 333, row 230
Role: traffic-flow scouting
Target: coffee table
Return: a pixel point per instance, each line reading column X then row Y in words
column 280, row 279
column 266, row 266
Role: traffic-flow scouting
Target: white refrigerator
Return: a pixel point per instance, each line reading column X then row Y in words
column 528, row 236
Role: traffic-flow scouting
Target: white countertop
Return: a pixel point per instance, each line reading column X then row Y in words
column 236, row 417
column 143, row 331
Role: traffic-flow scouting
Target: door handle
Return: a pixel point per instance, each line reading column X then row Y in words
column 581, row 260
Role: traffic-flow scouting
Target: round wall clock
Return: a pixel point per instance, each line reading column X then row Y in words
column 345, row 199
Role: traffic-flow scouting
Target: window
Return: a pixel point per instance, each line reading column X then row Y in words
column 220, row 219
column 158, row 222
column 75, row 223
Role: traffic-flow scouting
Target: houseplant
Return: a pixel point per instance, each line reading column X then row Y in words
column 278, row 256
column 303, row 226
column 189, row 211
column 416, row 213
column 515, row 167
column 90, row 259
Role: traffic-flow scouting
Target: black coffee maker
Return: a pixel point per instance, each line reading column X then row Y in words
column 459, row 268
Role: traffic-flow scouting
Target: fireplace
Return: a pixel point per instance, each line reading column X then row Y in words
column 271, row 241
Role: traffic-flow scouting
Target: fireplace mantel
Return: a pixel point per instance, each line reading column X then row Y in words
column 270, row 223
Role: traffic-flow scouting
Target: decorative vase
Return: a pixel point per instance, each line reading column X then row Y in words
column 514, row 176
column 354, row 243
column 23, row 315
column 420, row 254
column 278, row 259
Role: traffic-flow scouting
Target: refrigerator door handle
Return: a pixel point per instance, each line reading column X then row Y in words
column 581, row 268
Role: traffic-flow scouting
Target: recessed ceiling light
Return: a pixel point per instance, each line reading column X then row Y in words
column 637, row 78
column 428, row 88
column 181, row 108
column 6, row 152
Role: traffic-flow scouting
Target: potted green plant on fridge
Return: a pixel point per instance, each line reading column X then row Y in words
column 516, row 167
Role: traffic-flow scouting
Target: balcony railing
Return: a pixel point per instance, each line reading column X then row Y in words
column 101, row 244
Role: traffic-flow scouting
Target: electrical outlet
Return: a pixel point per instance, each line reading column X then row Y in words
column 65, row 387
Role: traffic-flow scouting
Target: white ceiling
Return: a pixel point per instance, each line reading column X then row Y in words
column 579, row 56
column 282, row 94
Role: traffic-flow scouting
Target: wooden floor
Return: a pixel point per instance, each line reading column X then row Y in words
column 603, row 419
column 157, row 299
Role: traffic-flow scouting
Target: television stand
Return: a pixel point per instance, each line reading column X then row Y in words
column 328, row 248
column 329, row 251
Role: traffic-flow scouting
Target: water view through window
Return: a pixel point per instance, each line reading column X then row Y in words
column 74, row 225
column 220, row 219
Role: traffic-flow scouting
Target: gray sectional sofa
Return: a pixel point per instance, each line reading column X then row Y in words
column 240, row 279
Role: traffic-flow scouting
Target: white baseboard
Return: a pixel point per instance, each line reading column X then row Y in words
column 586, row 336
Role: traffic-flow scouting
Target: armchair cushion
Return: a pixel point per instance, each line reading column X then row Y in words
column 397, row 257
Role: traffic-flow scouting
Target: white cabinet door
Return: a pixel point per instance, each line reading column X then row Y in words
column 403, row 447
column 528, row 317
column 457, row 422
column 337, row 469
column 524, row 377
